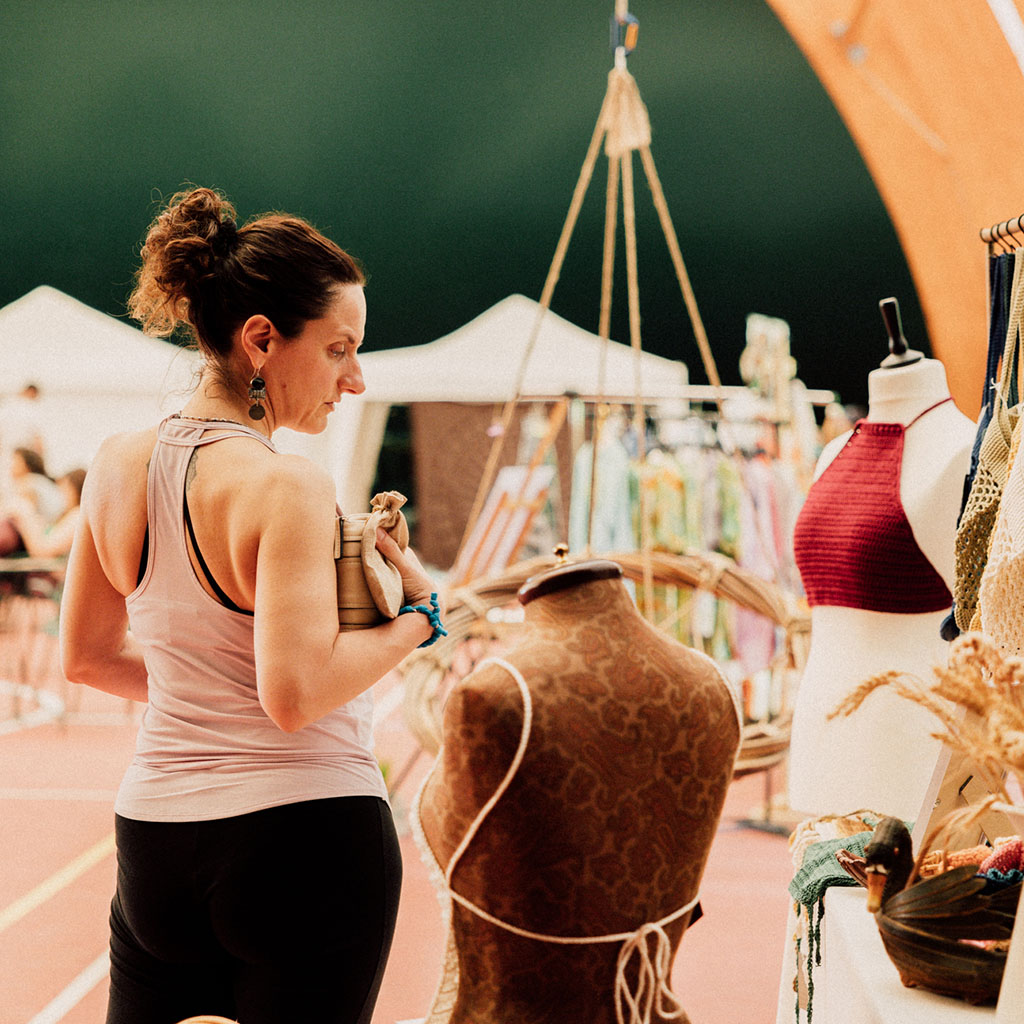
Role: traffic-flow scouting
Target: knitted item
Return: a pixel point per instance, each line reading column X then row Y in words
column 1001, row 589
column 978, row 519
column 1008, row 856
column 938, row 861
column 853, row 543
column 819, row 871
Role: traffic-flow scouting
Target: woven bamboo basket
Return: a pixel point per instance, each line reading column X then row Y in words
column 941, row 964
column 356, row 608
column 429, row 673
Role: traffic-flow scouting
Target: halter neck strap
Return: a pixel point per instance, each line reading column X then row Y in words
column 942, row 401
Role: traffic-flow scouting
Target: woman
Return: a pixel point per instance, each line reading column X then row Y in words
column 51, row 540
column 258, row 869
column 33, row 484
column 36, row 503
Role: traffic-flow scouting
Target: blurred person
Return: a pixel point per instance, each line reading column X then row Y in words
column 32, row 484
column 20, row 421
column 34, row 498
column 51, row 540
column 258, row 866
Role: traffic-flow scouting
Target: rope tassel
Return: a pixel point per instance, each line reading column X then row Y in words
column 652, row 985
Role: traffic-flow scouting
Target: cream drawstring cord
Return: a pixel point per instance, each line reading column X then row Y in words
column 652, row 987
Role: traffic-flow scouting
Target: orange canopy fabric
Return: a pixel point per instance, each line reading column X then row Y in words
column 933, row 96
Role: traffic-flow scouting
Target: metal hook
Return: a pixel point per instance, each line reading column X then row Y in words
column 996, row 239
column 1009, row 231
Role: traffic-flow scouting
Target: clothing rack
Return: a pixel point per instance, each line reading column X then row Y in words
column 686, row 392
column 1005, row 231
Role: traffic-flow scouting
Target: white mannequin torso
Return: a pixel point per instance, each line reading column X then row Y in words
column 882, row 757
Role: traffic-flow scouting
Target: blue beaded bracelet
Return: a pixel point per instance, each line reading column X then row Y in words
column 433, row 613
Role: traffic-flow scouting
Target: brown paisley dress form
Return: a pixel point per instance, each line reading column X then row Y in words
column 605, row 825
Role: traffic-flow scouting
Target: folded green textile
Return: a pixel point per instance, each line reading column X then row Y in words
column 820, row 868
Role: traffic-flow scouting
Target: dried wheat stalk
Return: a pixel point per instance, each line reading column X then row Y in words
column 979, row 679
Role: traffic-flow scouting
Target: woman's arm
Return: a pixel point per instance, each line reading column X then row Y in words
column 95, row 647
column 41, row 543
column 304, row 666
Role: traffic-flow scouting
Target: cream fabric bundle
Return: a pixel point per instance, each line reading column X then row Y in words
column 383, row 579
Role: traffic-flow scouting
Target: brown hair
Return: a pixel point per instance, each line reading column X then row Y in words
column 33, row 461
column 201, row 271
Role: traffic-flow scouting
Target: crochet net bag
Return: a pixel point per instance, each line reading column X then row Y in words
column 978, row 519
column 1001, row 591
column 974, row 533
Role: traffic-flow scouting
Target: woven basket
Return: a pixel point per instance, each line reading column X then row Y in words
column 429, row 673
column 924, row 931
column 940, row 964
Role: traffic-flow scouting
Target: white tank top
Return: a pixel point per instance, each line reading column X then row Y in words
column 206, row 748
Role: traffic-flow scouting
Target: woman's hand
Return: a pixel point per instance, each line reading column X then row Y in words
column 416, row 584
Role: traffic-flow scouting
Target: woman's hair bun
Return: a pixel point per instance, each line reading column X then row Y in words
column 201, row 271
column 185, row 244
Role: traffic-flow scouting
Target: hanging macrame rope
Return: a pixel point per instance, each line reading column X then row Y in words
column 639, row 417
column 611, row 218
column 669, row 231
column 624, row 125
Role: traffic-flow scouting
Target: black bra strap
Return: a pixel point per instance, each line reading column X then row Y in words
column 145, row 557
column 215, row 586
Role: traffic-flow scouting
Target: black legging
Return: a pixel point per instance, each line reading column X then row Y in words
column 274, row 917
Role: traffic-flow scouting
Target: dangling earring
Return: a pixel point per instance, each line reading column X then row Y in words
column 257, row 394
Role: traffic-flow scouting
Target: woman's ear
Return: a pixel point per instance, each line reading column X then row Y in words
column 255, row 336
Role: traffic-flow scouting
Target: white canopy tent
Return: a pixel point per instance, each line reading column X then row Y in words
column 96, row 375
column 479, row 363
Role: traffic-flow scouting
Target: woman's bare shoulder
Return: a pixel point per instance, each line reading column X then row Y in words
column 120, row 464
column 255, row 480
column 289, row 481
column 128, row 449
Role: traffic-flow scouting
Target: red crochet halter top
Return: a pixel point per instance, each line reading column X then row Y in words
column 853, row 544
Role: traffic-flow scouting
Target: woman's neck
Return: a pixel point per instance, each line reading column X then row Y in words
column 899, row 394
column 213, row 401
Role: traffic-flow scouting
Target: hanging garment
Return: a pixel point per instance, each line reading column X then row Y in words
column 755, row 638
column 853, row 544
column 1001, row 274
column 1000, row 282
column 612, row 526
column 974, row 531
column 1001, row 591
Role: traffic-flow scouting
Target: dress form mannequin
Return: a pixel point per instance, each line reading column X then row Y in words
column 608, row 819
column 882, row 757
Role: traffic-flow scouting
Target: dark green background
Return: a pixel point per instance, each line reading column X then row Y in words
column 441, row 143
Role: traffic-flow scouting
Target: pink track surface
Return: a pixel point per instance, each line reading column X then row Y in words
column 57, row 783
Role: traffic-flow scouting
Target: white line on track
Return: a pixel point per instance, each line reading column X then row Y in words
column 57, row 1009
column 15, row 911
